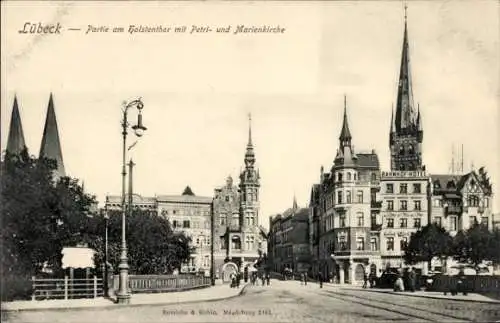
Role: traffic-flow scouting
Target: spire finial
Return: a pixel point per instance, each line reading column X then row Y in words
column 406, row 11
column 249, row 128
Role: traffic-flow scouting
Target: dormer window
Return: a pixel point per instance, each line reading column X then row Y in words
column 437, row 185
column 450, row 185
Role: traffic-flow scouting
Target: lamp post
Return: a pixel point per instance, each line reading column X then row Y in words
column 123, row 295
column 106, row 273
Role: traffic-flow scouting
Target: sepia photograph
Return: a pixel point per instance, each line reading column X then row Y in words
column 250, row 161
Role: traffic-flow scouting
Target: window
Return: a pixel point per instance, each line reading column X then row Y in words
column 360, row 196
column 374, row 177
column 389, row 188
column 403, row 188
column 223, row 243
column 437, row 220
column 227, row 198
column 487, row 202
column 206, row 261
column 360, row 219
column 417, row 188
column 185, row 224
column 453, row 223
column 404, row 205
column 342, row 243
column 410, row 150
column 197, row 241
column 354, row 176
column 473, row 201
column 175, row 224
column 348, row 197
column 373, row 244
column 418, row 206
column 360, row 243
column 390, row 223
column 390, row 244
column 342, row 220
column 390, row 205
column 339, row 177
column 348, row 176
column 403, row 243
column 373, row 220
column 339, row 197
column 223, row 221
column 401, row 150
column 472, row 221
column 403, row 222
column 417, row 223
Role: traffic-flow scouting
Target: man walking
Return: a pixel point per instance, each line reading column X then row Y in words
column 320, row 278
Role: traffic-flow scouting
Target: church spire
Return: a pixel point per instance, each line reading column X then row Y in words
column 250, row 154
column 294, row 207
column 15, row 141
column 51, row 145
column 345, row 133
column 405, row 115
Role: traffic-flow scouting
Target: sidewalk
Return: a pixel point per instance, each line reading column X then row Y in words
column 210, row 294
column 470, row 297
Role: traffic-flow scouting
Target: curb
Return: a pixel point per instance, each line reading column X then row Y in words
column 116, row 306
column 431, row 297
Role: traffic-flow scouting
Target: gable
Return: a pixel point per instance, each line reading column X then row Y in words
column 472, row 185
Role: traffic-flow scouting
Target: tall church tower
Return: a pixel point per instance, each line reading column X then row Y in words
column 249, row 188
column 15, row 141
column 51, row 145
column 406, row 132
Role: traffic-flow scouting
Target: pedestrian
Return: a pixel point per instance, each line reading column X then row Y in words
column 365, row 280
column 268, row 279
column 320, row 279
column 302, row 278
column 238, row 278
column 305, row 279
column 412, row 278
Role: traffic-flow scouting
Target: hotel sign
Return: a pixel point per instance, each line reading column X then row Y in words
column 404, row 174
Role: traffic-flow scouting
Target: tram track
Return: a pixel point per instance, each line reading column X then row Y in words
column 416, row 313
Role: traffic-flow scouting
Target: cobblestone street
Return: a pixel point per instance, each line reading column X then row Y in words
column 285, row 302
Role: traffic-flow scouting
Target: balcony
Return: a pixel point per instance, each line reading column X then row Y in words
column 376, row 204
column 453, row 209
column 376, row 227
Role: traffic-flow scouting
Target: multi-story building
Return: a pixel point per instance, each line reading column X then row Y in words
column 186, row 213
column 341, row 211
column 288, row 240
column 239, row 240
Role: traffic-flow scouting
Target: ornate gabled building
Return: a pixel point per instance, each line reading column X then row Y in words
column 239, row 240
column 341, row 210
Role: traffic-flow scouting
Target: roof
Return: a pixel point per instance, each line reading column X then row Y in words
column 368, row 160
column 136, row 198
column 445, row 181
column 184, row 199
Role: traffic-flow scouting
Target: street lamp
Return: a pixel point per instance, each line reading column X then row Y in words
column 106, row 273
column 123, row 295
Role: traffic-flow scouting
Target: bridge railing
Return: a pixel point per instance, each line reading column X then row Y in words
column 163, row 283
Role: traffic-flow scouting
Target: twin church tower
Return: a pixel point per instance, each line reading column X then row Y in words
column 50, row 147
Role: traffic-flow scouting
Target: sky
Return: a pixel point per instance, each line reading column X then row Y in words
column 198, row 89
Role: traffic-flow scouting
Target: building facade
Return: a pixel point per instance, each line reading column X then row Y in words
column 361, row 219
column 239, row 239
column 186, row 213
column 341, row 210
column 289, row 240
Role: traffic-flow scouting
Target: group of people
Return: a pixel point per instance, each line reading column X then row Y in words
column 255, row 277
column 411, row 280
column 369, row 279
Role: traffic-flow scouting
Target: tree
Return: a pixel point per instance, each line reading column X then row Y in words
column 425, row 244
column 152, row 246
column 39, row 215
column 476, row 245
